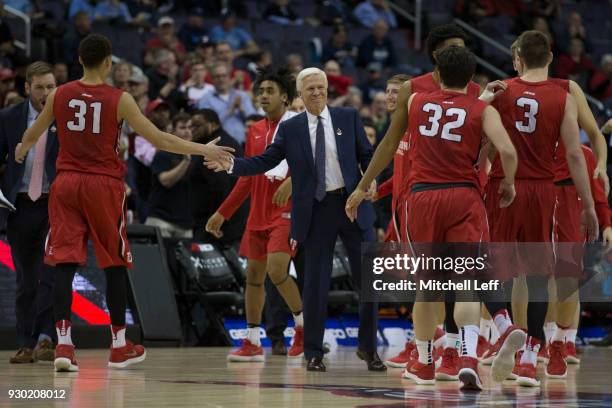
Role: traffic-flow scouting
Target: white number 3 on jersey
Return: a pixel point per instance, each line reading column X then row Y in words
column 80, row 106
column 531, row 110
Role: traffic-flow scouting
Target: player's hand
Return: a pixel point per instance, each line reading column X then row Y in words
column 283, row 193
column 217, row 166
column 606, row 236
column 590, row 224
column 213, row 226
column 20, row 153
column 212, row 152
column 493, row 90
column 507, row 192
column 372, row 191
column 602, row 174
column 353, row 203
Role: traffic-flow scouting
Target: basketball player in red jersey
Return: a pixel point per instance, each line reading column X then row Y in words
column 87, row 199
column 265, row 242
column 438, row 39
column 536, row 112
column 450, row 123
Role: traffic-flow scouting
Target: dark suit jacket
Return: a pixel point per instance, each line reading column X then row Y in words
column 13, row 123
column 292, row 142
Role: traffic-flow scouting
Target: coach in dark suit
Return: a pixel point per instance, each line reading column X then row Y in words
column 325, row 149
column 27, row 186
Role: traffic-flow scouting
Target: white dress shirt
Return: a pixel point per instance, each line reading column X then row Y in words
column 333, row 173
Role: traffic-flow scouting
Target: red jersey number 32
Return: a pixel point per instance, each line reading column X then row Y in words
column 81, row 110
column 436, row 112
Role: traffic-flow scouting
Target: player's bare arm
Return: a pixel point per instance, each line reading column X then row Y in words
column 587, row 121
column 577, row 166
column 500, row 140
column 384, row 152
column 129, row 111
column 31, row 135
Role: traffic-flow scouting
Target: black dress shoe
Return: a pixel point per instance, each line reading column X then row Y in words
column 371, row 358
column 315, row 364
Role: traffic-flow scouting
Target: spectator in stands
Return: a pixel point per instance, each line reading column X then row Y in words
column 232, row 105
column 262, row 60
column 80, row 29
column 170, row 199
column 120, row 75
column 60, row 71
column 209, row 188
column 239, row 39
column 205, row 50
column 379, row 115
column 7, row 82
column 145, row 11
column 224, row 54
column 112, row 11
column 163, row 75
column 297, row 105
column 294, row 63
column 573, row 29
column 7, row 50
column 280, row 12
column 575, row 65
column 541, row 24
column 332, row 12
column 76, row 6
column 601, row 81
column 12, row 98
column 138, row 87
column 369, row 12
column 472, row 11
column 337, row 83
column 548, row 9
column 166, row 38
column 373, row 83
column 193, row 30
column 216, row 7
column 377, row 47
column 196, row 87
column 340, row 49
column 370, row 130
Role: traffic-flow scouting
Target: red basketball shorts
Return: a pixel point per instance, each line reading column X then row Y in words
column 568, row 230
column 447, row 215
column 527, row 223
column 86, row 206
column 258, row 244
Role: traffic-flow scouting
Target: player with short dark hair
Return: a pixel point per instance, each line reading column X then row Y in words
column 87, row 200
column 265, row 242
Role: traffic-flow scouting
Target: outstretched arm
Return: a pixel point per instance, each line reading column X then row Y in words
column 31, row 135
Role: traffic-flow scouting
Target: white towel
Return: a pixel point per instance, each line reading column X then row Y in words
column 280, row 171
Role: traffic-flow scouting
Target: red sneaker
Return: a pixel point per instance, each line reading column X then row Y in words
column 468, row 373
column 422, row 374
column 511, row 341
column 490, row 353
column 438, row 346
column 449, row 367
column 543, row 354
column 556, row 367
column 482, row 347
column 297, row 348
column 247, row 352
column 65, row 359
column 402, row 358
column 526, row 376
column 131, row 353
column 517, row 364
column 571, row 354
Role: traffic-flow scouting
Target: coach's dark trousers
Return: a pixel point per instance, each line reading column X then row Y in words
column 329, row 221
column 26, row 232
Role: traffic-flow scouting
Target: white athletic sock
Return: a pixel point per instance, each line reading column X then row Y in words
column 530, row 355
column 494, row 334
column 502, row 321
column 559, row 334
column 451, row 340
column 570, row 335
column 253, row 335
column 298, row 319
column 118, row 334
column 425, row 348
column 485, row 328
column 549, row 331
column 63, row 329
column 469, row 340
